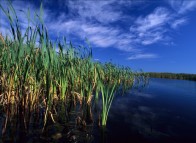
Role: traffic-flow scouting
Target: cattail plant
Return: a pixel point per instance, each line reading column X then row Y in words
column 45, row 77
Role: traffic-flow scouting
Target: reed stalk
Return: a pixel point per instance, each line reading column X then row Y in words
column 35, row 72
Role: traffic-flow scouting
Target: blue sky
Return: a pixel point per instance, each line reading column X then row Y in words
column 153, row 35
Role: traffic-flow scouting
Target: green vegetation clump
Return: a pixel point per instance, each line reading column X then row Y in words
column 181, row 76
column 40, row 78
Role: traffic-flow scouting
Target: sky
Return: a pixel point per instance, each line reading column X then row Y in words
column 152, row 35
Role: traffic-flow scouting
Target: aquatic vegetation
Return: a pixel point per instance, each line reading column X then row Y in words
column 44, row 80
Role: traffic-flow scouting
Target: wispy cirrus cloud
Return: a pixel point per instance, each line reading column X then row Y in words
column 21, row 10
column 157, row 18
column 93, row 21
column 98, row 35
column 101, row 23
column 100, row 11
column 151, row 28
column 179, row 22
column 142, row 56
column 182, row 6
column 96, row 59
column 145, row 31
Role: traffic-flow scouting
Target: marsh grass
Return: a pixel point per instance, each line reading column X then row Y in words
column 38, row 82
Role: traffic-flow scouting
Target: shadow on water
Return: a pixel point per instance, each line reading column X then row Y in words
column 17, row 128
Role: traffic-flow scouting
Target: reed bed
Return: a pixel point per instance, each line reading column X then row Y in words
column 44, row 78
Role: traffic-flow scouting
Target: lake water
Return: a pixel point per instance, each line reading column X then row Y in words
column 162, row 112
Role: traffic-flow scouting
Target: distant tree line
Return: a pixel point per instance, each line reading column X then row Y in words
column 182, row 76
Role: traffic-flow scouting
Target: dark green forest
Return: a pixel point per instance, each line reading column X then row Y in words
column 182, row 76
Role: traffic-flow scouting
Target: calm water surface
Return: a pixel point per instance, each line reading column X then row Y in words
column 162, row 112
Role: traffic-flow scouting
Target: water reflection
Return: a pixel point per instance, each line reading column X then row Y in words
column 164, row 111
column 161, row 112
column 19, row 129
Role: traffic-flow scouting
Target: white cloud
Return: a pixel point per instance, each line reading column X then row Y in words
column 101, row 11
column 99, row 23
column 98, row 35
column 152, row 39
column 158, row 18
column 21, row 9
column 4, row 29
column 142, row 56
column 178, row 23
column 151, row 28
column 182, row 6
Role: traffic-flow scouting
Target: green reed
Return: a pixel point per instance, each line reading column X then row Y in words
column 33, row 75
